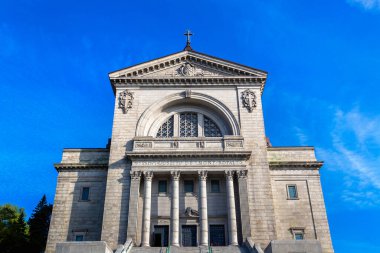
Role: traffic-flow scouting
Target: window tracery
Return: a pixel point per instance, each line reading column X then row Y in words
column 210, row 128
column 189, row 124
column 167, row 129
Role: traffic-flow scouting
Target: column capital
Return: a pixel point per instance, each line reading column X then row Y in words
column 242, row 174
column 135, row 175
column 202, row 174
column 148, row 175
column 175, row 174
column 229, row 174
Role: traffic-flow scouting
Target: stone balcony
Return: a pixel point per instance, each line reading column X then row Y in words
column 213, row 147
column 149, row 143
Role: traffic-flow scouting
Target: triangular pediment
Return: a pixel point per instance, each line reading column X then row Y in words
column 186, row 64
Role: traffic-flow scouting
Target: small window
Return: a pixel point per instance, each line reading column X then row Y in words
column 298, row 236
column 162, row 186
column 85, row 193
column 292, row 192
column 215, row 187
column 298, row 233
column 189, row 186
column 79, row 238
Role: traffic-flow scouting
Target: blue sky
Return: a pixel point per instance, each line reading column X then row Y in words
column 323, row 59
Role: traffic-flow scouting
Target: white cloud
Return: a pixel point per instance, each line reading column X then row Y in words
column 366, row 4
column 355, row 151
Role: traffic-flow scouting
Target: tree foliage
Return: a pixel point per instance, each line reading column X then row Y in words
column 17, row 236
column 13, row 229
column 39, row 226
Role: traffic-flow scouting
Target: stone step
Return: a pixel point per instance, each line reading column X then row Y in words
column 215, row 249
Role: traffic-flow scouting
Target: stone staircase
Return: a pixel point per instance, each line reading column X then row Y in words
column 226, row 249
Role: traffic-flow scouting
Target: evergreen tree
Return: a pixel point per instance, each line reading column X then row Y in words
column 39, row 223
column 13, row 229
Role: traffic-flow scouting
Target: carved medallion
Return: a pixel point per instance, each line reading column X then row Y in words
column 189, row 70
column 125, row 100
column 249, row 99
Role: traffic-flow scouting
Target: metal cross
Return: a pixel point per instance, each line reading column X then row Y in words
column 188, row 34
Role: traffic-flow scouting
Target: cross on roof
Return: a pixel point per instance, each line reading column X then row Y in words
column 188, row 34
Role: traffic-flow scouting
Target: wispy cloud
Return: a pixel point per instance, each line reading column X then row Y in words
column 355, row 151
column 366, row 4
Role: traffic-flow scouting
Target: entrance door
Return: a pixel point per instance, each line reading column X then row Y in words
column 161, row 236
column 217, row 235
column 189, row 235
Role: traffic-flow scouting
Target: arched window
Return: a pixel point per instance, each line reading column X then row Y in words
column 167, row 129
column 188, row 124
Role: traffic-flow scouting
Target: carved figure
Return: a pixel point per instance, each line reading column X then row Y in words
column 191, row 212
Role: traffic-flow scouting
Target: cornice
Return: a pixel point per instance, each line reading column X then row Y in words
column 295, row 164
column 70, row 166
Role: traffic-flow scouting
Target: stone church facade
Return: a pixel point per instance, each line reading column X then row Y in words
column 189, row 165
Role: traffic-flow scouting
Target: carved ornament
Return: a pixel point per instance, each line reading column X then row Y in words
column 202, row 174
column 175, row 174
column 125, row 100
column 229, row 174
column 248, row 98
column 191, row 212
column 188, row 69
column 242, row 174
column 135, row 175
column 148, row 175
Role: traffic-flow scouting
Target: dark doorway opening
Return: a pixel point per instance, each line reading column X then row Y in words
column 217, row 235
column 189, row 235
column 161, row 236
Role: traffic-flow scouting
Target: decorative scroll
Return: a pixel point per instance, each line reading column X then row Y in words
column 125, row 100
column 249, row 99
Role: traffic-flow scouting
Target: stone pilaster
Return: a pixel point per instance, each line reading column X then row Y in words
column 174, row 224
column 203, row 216
column 244, row 207
column 232, row 227
column 148, row 176
column 133, row 205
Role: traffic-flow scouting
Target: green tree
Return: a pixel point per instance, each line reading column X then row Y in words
column 39, row 223
column 13, row 229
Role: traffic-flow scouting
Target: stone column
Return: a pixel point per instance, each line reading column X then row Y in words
column 203, row 218
column 232, row 228
column 175, row 209
column 147, row 206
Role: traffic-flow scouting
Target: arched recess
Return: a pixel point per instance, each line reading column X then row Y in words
column 155, row 115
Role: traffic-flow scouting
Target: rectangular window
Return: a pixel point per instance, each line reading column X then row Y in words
column 162, row 186
column 215, row 187
column 292, row 192
column 79, row 238
column 85, row 193
column 298, row 236
column 188, row 186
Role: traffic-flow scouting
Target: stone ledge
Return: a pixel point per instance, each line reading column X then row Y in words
column 286, row 246
column 83, row 247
